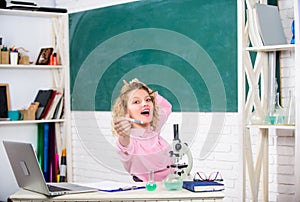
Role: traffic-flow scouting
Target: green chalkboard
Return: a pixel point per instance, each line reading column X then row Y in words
column 184, row 49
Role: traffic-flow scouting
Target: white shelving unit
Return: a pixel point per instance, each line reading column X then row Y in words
column 33, row 31
column 260, row 75
column 297, row 96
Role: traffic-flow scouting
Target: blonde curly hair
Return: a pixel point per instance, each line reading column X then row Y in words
column 120, row 105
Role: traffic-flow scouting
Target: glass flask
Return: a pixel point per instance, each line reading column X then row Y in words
column 290, row 119
column 173, row 182
column 151, row 185
column 276, row 114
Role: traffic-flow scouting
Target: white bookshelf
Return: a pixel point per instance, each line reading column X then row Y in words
column 260, row 74
column 297, row 96
column 271, row 48
column 33, row 30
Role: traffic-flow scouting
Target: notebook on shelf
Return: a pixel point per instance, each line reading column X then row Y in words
column 29, row 176
column 270, row 26
column 43, row 97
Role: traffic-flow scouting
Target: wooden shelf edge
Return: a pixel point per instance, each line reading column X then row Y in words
column 31, row 13
column 8, row 66
column 272, row 48
column 266, row 126
column 31, row 122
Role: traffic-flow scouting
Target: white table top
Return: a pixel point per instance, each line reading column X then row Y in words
column 142, row 194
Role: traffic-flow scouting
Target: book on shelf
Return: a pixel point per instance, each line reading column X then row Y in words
column 269, row 25
column 47, row 151
column 59, row 109
column 203, row 186
column 40, row 145
column 60, row 113
column 42, row 97
column 57, row 96
column 48, row 105
column 51, row 154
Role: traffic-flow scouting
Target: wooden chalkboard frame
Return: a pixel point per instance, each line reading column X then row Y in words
column 6, row 97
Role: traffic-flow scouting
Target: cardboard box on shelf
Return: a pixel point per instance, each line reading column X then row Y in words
column 4, row 57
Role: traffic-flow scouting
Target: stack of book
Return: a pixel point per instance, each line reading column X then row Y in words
column 47, row 151
column 203, row 186
column 31, row 6
column 50, row 104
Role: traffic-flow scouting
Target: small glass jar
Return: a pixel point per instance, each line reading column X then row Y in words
column 151, row 185
column 173, row 182
column 277, row 114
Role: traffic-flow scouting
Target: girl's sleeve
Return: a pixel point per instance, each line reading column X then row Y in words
column 124, row 152
column 165, row 109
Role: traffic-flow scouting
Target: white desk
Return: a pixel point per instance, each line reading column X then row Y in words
column 160, row 194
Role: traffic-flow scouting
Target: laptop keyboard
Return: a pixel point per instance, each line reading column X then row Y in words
column 55, row 188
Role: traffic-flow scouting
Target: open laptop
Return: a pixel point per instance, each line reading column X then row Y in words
column 28, row 173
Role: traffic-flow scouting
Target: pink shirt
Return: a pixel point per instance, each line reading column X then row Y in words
column 147, row 150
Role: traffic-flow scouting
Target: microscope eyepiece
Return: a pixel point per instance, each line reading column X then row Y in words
column 176, row 134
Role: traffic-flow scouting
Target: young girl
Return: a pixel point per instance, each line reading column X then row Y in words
column 140, row 146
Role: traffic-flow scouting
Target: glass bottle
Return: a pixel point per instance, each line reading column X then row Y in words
column 173, row 182
column 271, row 118
column 276, row 114
column 151, row 185
column 290, row 119
column 279, row 112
